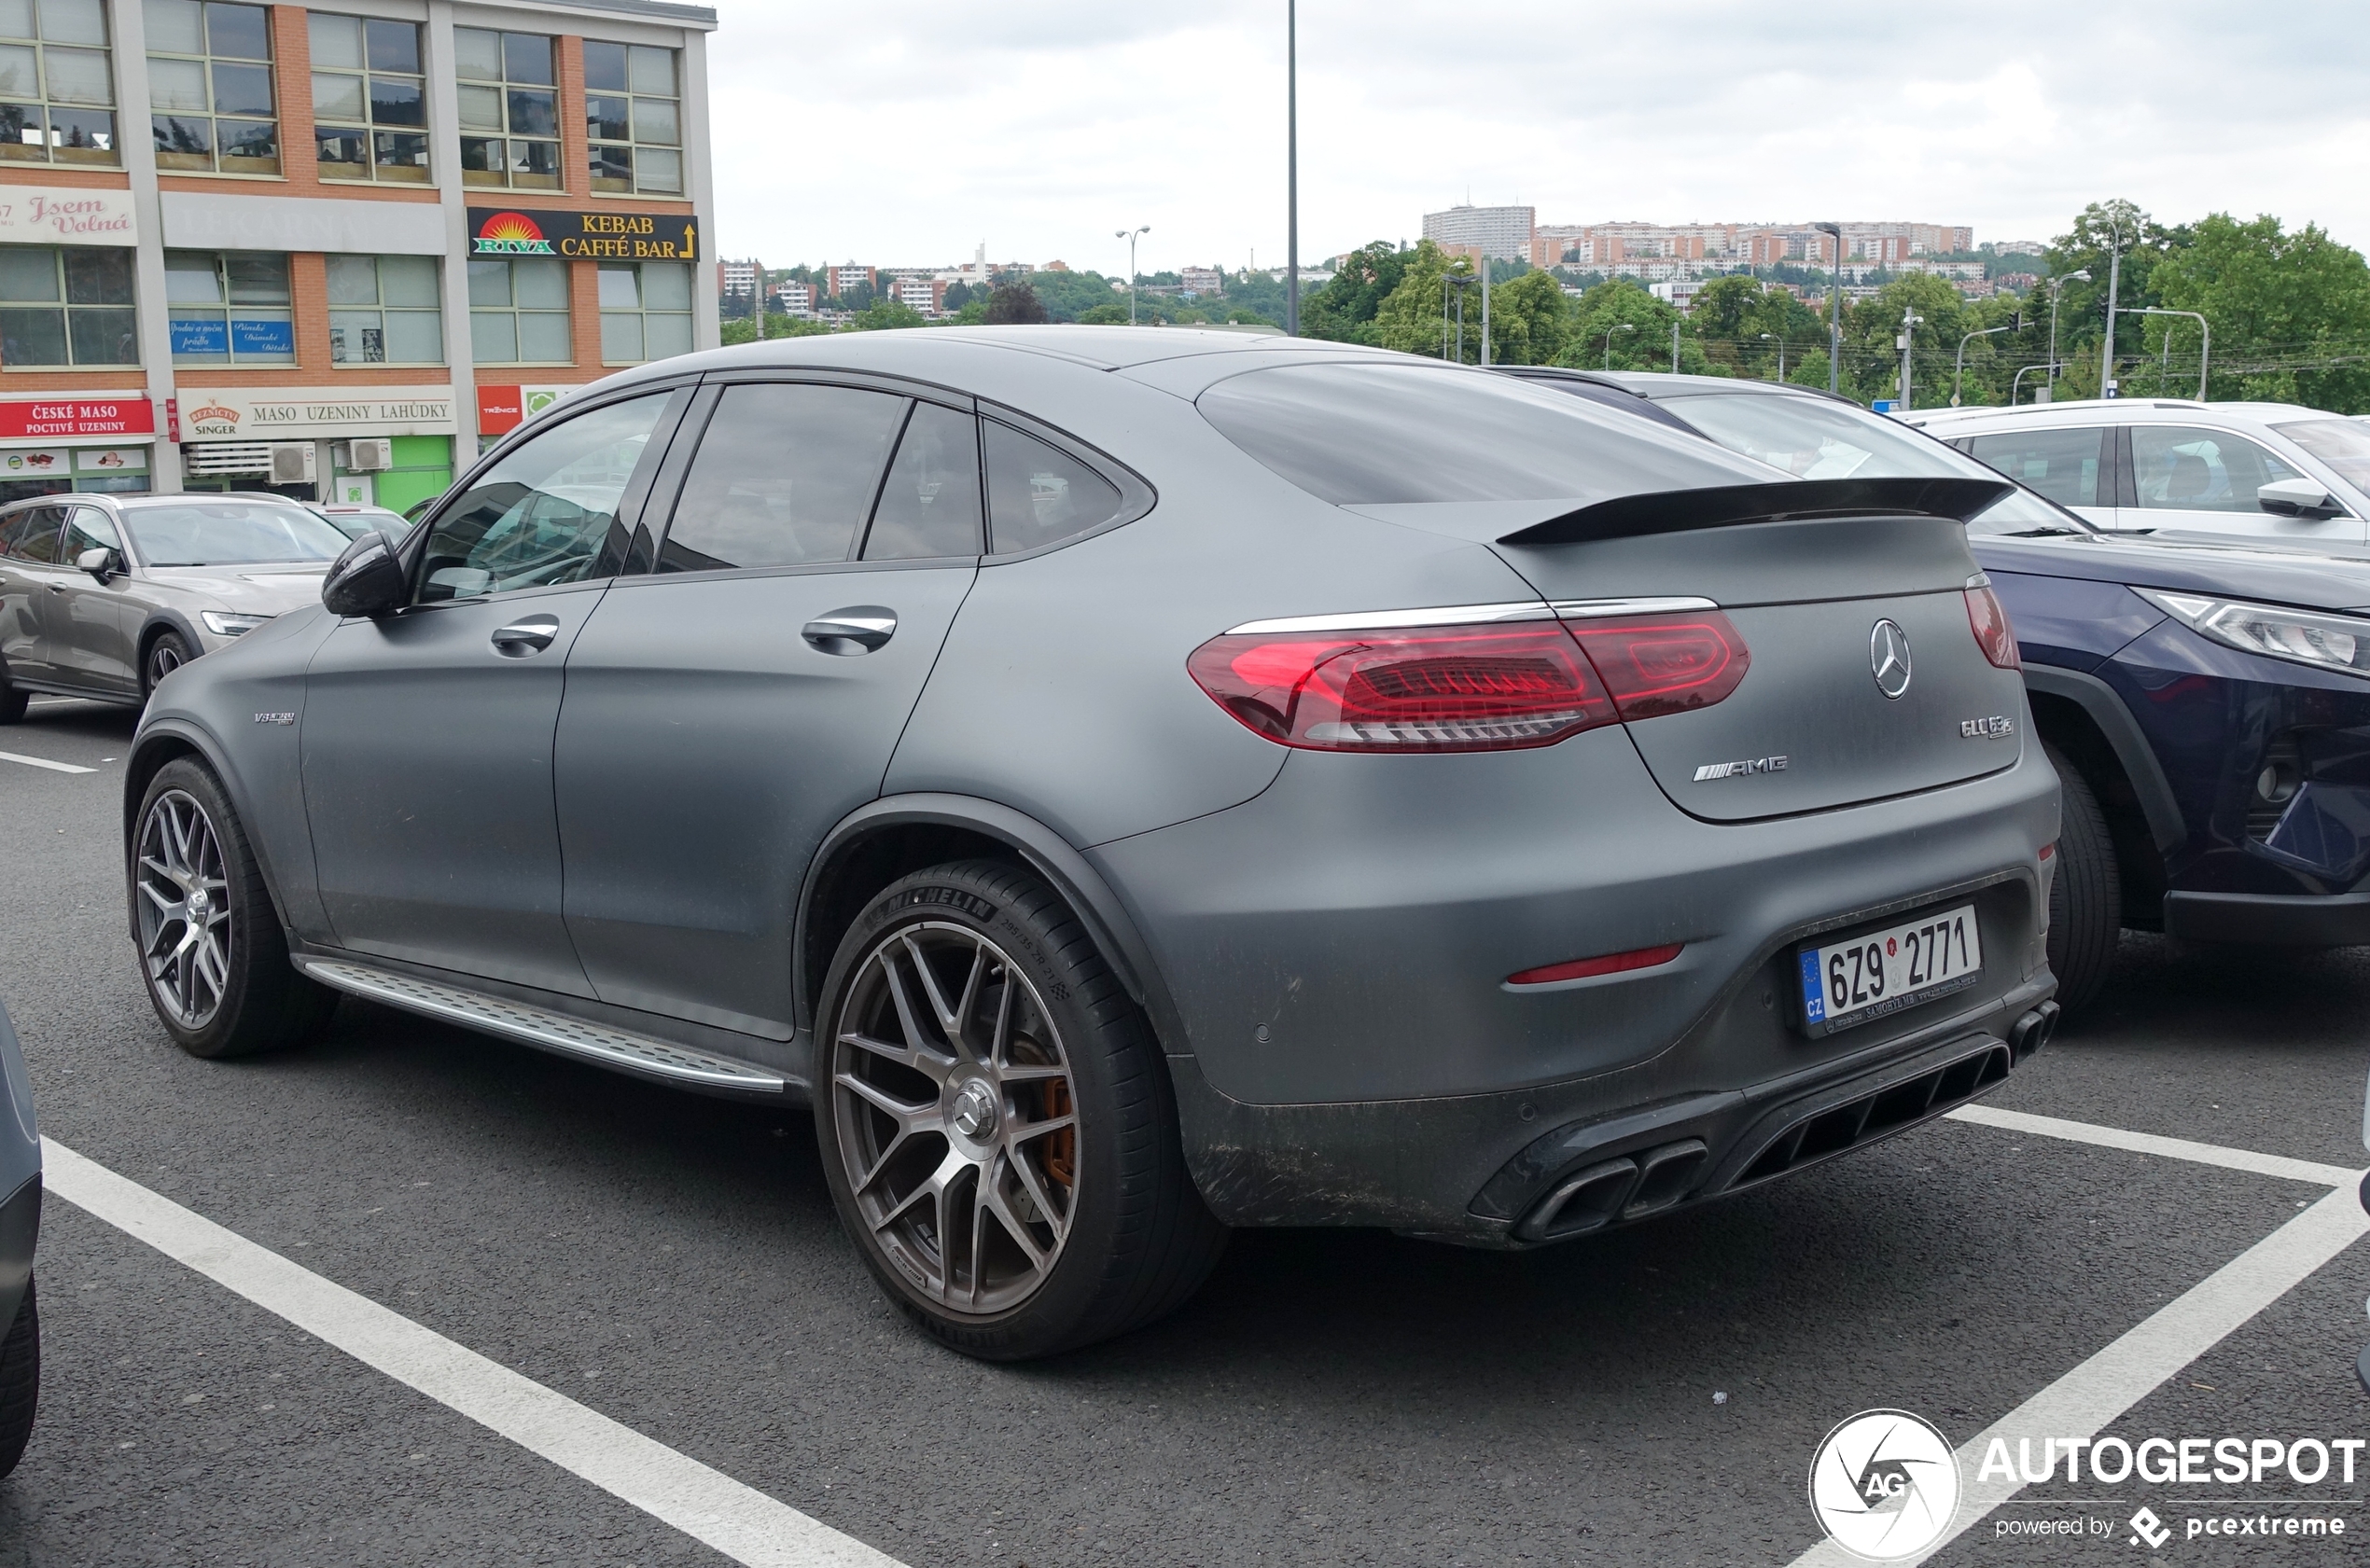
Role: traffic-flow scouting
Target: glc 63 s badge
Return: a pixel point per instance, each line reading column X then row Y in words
column 1987, row 729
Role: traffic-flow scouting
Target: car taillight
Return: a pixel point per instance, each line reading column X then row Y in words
column 1988, row 617
column 1430, row 689
column 1664, row 663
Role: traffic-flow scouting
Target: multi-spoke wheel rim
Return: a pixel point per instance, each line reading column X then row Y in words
column 164, row 659
column 956, row 1118
column 185, row 909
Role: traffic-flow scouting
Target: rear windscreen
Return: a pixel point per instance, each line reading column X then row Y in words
column 1381, row 434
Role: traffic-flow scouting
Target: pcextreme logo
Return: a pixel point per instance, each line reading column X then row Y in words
column 1884, row 1485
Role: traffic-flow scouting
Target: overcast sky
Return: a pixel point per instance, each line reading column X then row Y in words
column 905, row 136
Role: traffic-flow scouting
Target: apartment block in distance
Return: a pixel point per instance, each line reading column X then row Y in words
column 1503, row 232
column 349, row 245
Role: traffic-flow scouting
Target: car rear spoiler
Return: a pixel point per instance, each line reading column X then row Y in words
column 1679, row 512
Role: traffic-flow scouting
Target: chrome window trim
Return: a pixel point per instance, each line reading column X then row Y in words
column 1381, row 620
column 1593, row 609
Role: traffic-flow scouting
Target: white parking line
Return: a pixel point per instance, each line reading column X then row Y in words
column 2149, row 1143
column 45, row 762
column 738, row 1520
column 2110, row 1382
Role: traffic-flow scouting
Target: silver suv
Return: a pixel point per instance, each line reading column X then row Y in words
column 102, row 596
column 2256, row 471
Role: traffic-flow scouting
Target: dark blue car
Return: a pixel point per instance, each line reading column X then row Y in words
column 2206, row 705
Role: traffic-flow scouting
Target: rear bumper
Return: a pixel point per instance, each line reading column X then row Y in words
column 1351, row 1052
column 2333, row 920
column 19, row 1229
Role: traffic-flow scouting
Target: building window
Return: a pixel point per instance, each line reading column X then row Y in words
column 209, row 86
column 646, row 310
column 634, row 115
column 519, row 311
column 370, row 100
column 510, row 109
column 384, row 310
column 65, row 305
column 56, row 94
column 228, row 308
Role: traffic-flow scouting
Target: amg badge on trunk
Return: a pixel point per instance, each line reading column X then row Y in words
column 1738, row 770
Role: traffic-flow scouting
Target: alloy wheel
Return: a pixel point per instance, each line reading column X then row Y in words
column 184, row 909
column 163, row 658
column 956, row 1118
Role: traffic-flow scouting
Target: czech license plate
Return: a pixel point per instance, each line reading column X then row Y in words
column 1880, row 972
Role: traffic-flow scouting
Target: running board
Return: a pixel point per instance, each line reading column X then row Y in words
column 548, row 1031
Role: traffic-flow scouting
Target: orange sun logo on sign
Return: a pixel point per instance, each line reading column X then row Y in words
column 511, row 234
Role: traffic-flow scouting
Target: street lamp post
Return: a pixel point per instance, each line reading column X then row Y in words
column 2118, row 214
column 1455, row 284
column 1958, row 372
column 1835, row 307
column 2205, row 348
column 1291, row 168
column 2018, row 380
column 1779, row 339
column 2055, row 285
column 1131, row 236
column 1625, row 326
column 1910, row 322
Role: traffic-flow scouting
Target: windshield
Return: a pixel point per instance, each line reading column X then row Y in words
column 1813, row 439
column 2343, row 444
column 231, row 533
column 1383, row 433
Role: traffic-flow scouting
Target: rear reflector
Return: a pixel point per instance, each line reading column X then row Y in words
column 2048, row 850
column 1408, row 689
column 1611, row 964
column 1988, row 617
column 1441, row 689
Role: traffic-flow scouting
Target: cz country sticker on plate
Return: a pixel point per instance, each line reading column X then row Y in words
column 1880, row 972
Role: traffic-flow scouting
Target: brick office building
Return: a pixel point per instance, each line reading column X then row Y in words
column 351, row 242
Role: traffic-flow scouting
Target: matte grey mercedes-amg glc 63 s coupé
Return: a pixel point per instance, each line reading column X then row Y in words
column 1137, row 783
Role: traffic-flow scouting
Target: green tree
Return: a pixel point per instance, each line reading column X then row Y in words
column 776, row 325
column 1113, row 314
column 1014, row 304
column 1620, row 325
column 887, row 314
column 1872, row 359
column 2089, row 246
column 1344, row 310
column 2290, row 311
column 1741, row 322
column 1530, row 319
column 958, row 296
column 1409, row 318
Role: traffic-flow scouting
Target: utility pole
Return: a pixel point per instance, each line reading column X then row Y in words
column 2055, row 285
column 1291, row 168
column 1674, row 348
column 1835, row 307
column 1484, row 288
column 2119, row 215
column 1910, row 320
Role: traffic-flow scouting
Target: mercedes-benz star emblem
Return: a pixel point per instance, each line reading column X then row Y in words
column 1889, row 657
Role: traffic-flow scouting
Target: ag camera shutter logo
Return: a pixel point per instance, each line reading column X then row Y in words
column 1884, row 1485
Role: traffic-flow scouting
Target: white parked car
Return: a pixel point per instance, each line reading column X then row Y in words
column 2258, row 471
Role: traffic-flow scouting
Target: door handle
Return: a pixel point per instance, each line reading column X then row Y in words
column 56, row 587
column 523, row 637
column 858, row 628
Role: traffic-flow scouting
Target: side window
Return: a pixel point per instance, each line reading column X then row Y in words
column 2182, row 469
column 88, row 529
column 1037, row 494
column 32, row 535
column 930, row 502
column 543, row 514
column 785, row 476
column 2062, row 465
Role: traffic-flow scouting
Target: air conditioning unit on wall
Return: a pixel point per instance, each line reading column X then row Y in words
column 369, row 454
column 292, row 462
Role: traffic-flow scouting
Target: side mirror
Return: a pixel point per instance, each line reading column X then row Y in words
column 366, row 580
column 100, row 561
column 2299, row 498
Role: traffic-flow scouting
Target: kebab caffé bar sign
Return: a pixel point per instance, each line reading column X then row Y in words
column 603, row 236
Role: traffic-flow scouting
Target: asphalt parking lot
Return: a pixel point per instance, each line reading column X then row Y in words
column 673, row 1264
